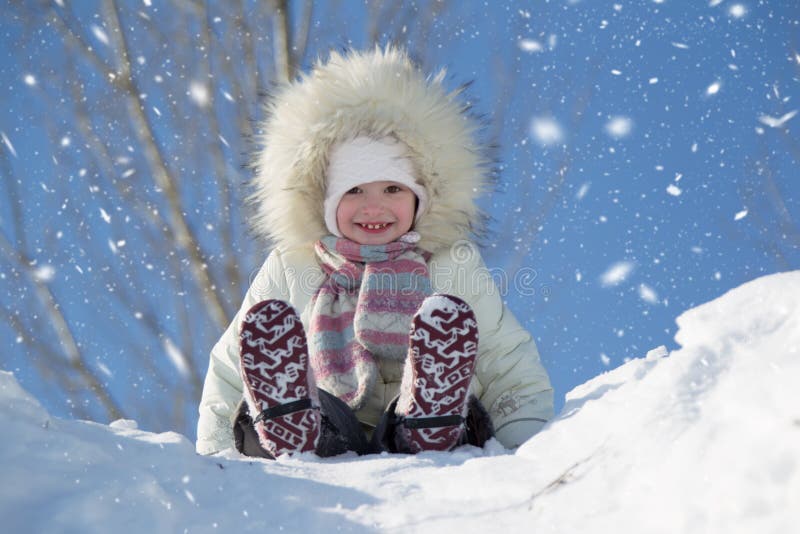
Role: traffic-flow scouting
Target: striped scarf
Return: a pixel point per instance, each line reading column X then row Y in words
column 362, row 311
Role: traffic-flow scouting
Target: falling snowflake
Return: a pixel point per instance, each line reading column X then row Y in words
column 7, row 142
column 176, row 357
column 530, row 45
column 773, row 122
column 737, row 11
column 198, row 92
column 619, row 127
column 648, row 294
column 546, row 131
column 584, row 188
column 674, row 190
column 100, row 34
column 44, row 273
column 616, row 273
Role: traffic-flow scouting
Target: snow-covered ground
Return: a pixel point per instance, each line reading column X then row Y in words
column 705, row 439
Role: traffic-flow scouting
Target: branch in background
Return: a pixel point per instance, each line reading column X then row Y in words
column 379, row 19
column 225, row 227
column 284, row 68
column 49, row 364
column 74, row 357
column 140, row 310
column 28, row 330
column 301, row 42
column 184, row 238
column 249, row 38
column 534, row 223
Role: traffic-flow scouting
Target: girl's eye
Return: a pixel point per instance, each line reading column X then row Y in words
column 354, row 191
column 393, row 189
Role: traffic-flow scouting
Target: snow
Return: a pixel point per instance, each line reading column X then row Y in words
column 737, row 11
column 7, row 142
column 100, row 34
column 648, row 294
column 616, row 273
column 546, row 131
column 619, row 127
column 779, row 122
column 176, row 357
column 530, row 45
column 198, row 92
column 582, row 190
column 702, row 439
column 44, row 273
column 674, row 190
column 713, row 88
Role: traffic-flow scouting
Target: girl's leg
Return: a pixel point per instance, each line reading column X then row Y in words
column 340, row 431
column 478, row 429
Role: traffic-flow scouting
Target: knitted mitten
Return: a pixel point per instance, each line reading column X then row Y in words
column 434, row 390
column 279, row 389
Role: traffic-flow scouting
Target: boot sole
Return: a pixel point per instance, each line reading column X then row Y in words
column 274, row 365
column 443, row 349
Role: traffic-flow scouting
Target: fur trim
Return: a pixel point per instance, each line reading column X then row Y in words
column 375, row 93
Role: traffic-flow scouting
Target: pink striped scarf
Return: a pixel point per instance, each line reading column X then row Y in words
column 362, row 311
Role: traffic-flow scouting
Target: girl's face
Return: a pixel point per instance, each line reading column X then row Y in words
column 376, row 213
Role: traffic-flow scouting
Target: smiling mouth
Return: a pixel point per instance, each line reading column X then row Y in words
column 374, row 227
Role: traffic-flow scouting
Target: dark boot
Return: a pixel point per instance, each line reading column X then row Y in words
column 340, row 431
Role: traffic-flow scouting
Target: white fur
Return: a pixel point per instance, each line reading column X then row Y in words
column 374, row 93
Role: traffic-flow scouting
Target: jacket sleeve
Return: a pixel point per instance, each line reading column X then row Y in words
column 513, row 385
column 222, row 390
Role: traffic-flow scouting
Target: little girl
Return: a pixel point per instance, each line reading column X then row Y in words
column 373, row 325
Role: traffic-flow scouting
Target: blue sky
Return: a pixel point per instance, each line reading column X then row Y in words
column 648, row 163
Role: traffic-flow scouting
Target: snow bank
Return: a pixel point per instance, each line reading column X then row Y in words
column 706, row 439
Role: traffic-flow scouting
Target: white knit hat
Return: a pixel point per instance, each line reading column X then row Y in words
column 363, row 160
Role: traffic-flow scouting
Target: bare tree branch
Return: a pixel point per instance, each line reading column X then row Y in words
column 301, row 43
column 62, row 329
column 284, row 67
column 184, row 237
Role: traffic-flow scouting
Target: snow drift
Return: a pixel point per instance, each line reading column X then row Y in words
column 705, row 439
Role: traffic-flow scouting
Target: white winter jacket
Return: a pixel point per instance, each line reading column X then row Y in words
column 509, row 378
column 378, row 93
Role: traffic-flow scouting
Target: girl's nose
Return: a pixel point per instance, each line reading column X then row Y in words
column 372, row 204
column 372, row 208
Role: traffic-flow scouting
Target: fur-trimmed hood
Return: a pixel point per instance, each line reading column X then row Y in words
column 376, row 93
